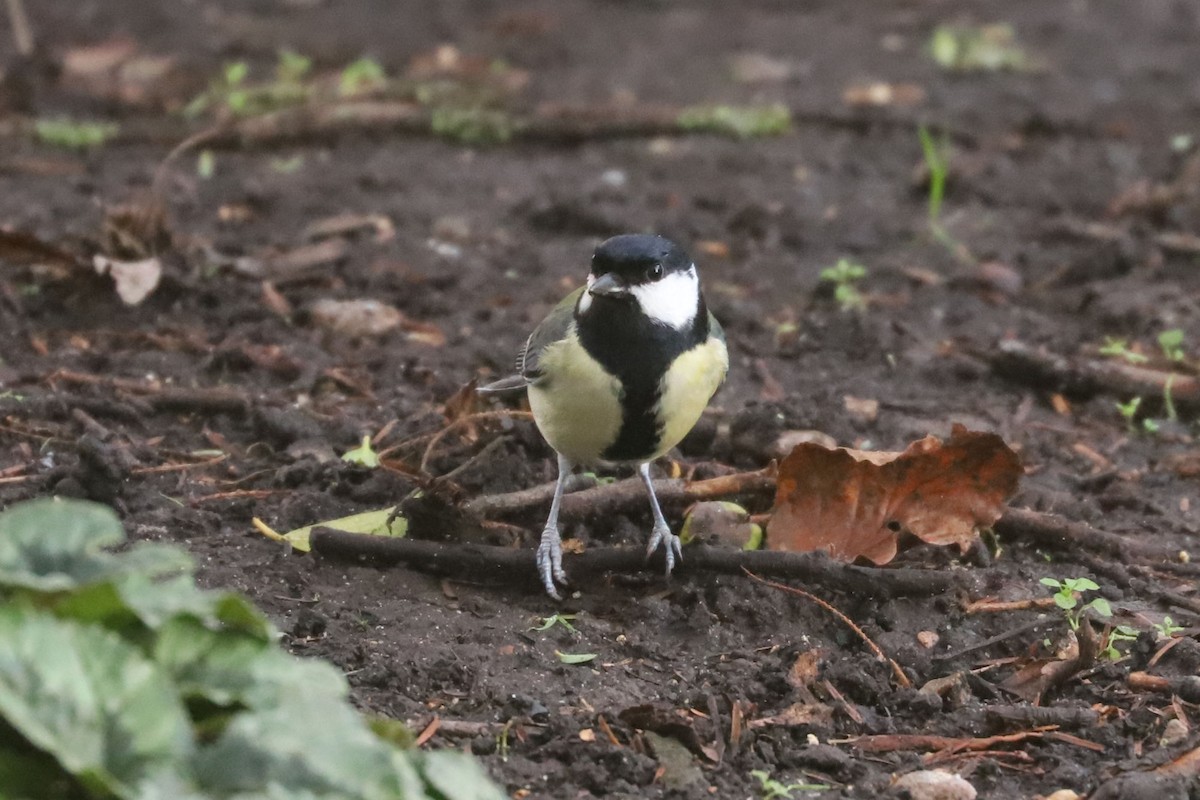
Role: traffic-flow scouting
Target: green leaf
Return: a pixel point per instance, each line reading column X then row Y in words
column 310, row 741
column 456, row 777
column 1065, row 601
column 373, row 523
column 94, row 702
column 1081, row 584
column 574, row 658
column 56, row 545
column 363, row 455
column 1101, row 607
column 1052, row 582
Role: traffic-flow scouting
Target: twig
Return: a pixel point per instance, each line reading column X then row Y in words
column 1188, row 688
column 165, row 398
column 994, row 606
column 890, row 742
column 901, row 678
column 21, row 29
column 1052, row 530
column 506, row 563
column 1040, row 368
column 468, row 419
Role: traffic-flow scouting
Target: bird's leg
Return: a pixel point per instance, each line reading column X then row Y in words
column 549, row 552
column 662, row 532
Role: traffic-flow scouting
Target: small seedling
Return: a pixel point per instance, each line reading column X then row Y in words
column 1068, row 598
column 574, row 658
column 771, row 789
column 1129, row 411
column 556, row 619
column 844, row 275
column 1150, row 425
column 472, row 126
column 1167, row 628
column 1121, row 633
column 292, row 66
column 363, row 75
column 364, row 455
column 1171, row 343
column 939, row 167
column 1119, row 348
column 739, row 122
column 982, row 48
column 206, row 164
column 1169, row 398
column 72, row 134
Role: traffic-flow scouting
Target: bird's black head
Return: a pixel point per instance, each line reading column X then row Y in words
column 647, row 275
column 638, row 258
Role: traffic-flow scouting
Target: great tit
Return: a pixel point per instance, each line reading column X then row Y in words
column 619, row 372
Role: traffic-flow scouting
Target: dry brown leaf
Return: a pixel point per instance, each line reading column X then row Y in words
column 853, row 503
column 364, row 317
column 135, row 280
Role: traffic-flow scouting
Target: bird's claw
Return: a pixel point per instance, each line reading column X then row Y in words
column 673, row 547
column 549, row 561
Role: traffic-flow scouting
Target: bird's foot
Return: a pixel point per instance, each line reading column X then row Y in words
column 549, row 562
column 673, row 547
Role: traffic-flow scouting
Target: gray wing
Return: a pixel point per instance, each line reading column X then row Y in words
column 553, row 328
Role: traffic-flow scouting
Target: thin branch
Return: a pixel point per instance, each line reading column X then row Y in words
column 518, row 565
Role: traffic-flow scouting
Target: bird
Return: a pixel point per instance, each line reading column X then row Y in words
column 619, row 372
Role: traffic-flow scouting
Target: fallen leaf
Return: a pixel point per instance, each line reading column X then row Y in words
column 853, row 503
column 373, row 523
column 135, row 280
column 574, row 658
column 366, row 317
column 797, row 714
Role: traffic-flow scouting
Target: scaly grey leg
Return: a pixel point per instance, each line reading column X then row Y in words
column 549, row 552
column 661, row 534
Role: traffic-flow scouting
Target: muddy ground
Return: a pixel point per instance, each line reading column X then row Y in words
column 1070, row 216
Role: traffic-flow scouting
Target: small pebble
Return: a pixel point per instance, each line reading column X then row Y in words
column 935, row 784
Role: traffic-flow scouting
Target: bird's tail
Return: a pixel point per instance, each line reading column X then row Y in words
column 513, row 383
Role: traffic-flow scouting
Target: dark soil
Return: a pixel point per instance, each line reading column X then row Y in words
column 1072, row 213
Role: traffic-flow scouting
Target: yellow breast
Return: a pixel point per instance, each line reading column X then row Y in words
column 576, row 405
column 687, row 387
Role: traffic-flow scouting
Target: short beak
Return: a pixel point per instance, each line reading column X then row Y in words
column 608, row 285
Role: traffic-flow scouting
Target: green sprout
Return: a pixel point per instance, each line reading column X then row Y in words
column 738, row 122
column 844, row 275
column 1167, row 628
column 1121, row 633
column 1171, row 342
column 977, row 48
column 1129, row 411
column 292, row 67
column 556, row 619
column 771, row 789
column 206, row 164
column 1119, row 348
column 364, row 455
column 1169, row 398
column 473, row 126
column 361, row 76
column 938, row 164
column 72, row 134
column 1068, row 598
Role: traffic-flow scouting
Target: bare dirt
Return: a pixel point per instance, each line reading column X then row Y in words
column 1071, row 215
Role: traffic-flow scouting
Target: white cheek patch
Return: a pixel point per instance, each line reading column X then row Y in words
column 671, row 301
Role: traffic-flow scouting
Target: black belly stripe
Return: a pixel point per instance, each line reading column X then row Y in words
column 638, row 352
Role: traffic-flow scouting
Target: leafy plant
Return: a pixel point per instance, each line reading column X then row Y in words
column 363, row 75
column 771, row 789
column 1121, row 633
column 1119, row 348
column 473, row 126
column 364, row 455
column 1068, row 597
column 844, row 276
column 1129, row 411
column 1171, row 342
column 1167, row 628
column 977, row 48
column 121, row 678
column 739, row 122
column 232, row 92
column 73, row 134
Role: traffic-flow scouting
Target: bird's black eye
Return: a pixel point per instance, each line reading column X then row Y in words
column 655, row 272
